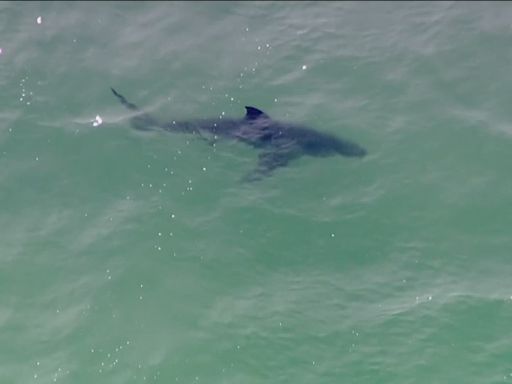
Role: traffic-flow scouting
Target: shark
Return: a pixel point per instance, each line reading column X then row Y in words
column 279, row 142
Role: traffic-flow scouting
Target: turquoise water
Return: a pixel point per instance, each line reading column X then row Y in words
column 132, row 257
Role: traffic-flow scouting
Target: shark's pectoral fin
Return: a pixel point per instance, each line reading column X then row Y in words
column 268, row 162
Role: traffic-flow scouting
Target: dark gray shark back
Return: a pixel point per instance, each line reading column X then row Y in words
column 280, row 142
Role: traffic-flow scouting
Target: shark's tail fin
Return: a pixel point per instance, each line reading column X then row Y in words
column 141, row 121
column 125, row 102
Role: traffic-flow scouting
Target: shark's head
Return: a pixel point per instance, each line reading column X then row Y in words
column 320, row 144
column 348, row 148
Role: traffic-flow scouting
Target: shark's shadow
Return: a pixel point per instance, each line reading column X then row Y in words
column 278, row 141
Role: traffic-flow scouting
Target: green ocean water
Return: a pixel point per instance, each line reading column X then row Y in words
column 134, row 257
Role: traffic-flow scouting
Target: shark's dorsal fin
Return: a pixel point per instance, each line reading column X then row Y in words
column 254, row 113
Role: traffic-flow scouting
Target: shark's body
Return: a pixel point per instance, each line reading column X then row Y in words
column 281, row 142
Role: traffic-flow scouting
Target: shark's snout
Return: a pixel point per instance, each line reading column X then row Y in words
column 359, row 151
column 347, row 148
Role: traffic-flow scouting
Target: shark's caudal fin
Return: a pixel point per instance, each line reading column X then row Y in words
column 141, row 121
column 123, row 101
